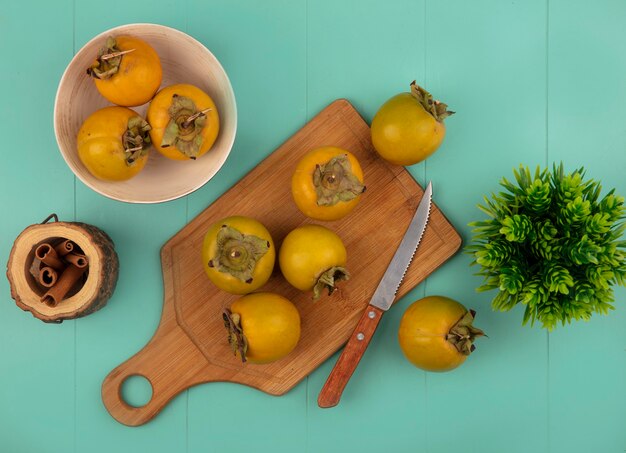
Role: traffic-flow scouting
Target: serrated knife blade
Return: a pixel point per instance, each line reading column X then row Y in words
column 381, row 301
column 388, row 287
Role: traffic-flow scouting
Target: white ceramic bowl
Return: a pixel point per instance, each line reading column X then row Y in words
column 184, row 60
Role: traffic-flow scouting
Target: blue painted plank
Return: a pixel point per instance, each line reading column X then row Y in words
column 367, row 52
column 37, row 371
column 262, row 48
column 586, row 108
column 521, row 390
column 111, row 336
column 487, row 60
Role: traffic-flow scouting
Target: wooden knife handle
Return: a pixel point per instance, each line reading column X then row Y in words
column 350, row 357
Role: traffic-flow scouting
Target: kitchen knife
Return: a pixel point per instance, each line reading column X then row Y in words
column 383, row 297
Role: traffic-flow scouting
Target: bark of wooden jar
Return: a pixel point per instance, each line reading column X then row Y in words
column 102, row 272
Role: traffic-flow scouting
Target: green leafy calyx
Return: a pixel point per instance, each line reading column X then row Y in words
column 437, row 109
column 328, row 279
column 552, row 244
column 108, row 62
column 184, row 129
column 334, row 182
column 237, row 340
column 463, row 333
column 136, row 139
column 237, row 254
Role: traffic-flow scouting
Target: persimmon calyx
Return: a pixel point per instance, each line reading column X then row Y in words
column 237, row 340
column 136, row 139
column 328, row 280
column 108, row 62
column 184, row 129
column 334, row 182
column 237, row 254
column 463, row 333
column 437, row 109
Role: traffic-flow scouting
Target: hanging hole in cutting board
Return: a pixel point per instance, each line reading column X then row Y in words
column 136, row 390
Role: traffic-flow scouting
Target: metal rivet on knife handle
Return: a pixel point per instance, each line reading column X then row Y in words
column 372, row 314
column 360, row 336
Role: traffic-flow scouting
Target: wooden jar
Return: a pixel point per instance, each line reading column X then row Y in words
column 90, row 293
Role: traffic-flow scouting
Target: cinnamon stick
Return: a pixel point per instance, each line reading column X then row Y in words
column 48, row 256
column 47, row 277
column 35, row 268
column 64, row 247
column 76, row 259
column 63, row 285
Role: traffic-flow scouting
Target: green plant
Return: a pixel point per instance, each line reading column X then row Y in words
column 552, row 244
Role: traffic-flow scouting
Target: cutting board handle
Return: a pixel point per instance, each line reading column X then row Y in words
column 160, row 362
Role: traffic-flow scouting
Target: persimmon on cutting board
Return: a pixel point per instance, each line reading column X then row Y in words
column 190, row 345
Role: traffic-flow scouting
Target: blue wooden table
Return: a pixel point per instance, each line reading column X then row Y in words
column 532, row 81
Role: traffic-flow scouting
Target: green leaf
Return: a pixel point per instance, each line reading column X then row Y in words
column 516, row 228
column 553, row 243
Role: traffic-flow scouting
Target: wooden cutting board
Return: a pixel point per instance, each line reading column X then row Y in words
column 190, row 345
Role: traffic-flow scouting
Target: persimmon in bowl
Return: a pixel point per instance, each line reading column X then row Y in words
column 184, row 61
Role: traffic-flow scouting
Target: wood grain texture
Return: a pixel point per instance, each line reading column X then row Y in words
column 350, row 357
column 521, row 391
column 191, row 326
column 269, row 79
column 362, row 61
